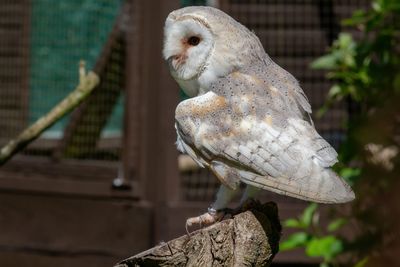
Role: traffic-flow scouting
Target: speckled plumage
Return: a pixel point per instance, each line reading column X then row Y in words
column 248, row 119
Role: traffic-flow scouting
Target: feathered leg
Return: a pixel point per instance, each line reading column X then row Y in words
column 249, row 193
column 246, row 202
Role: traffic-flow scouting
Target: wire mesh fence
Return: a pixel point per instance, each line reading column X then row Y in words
column 41, row 45
column 42, row 41
column 14, row 67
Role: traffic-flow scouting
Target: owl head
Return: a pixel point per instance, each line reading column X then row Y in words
column 203, row 43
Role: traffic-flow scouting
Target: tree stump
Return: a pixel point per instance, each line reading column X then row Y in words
column 250, row 238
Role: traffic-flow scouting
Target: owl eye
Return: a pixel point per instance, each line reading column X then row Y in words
column 193, row 40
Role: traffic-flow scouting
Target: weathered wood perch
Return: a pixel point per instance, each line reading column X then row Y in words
column 250, row 238
column 87, row 82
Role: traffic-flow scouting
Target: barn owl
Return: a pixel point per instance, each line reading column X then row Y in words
column 247, row 120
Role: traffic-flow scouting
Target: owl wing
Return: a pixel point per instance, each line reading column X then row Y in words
column 264, row 148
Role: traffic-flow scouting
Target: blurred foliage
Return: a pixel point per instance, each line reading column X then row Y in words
column 318, row 242
column 365, row 71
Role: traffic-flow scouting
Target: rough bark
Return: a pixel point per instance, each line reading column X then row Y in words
column 87, row 82
column 250, row 238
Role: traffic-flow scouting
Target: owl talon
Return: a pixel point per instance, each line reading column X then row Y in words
column 187, row 229
column 205, row 219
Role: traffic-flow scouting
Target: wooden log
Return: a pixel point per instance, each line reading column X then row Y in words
column 250, row 238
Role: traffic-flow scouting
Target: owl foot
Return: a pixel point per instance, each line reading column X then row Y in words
column 210, row 217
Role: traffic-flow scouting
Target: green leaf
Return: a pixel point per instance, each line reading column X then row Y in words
column 350, row 174
column 326, row 247
column 334, row 91
column 336, row 224
column 308, row 213
column 292, row 223
column 377, row 6
column 358, row 17
column 326, row 62
column 348, row 59
column 345, row 40
column 362, row 262
column 294, row 241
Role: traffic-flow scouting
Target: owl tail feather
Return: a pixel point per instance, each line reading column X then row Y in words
column 324, row 187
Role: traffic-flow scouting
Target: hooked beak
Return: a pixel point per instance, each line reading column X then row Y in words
column 176, row 61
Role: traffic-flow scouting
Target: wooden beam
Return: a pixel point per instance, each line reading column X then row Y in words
column 68, row 177
column 58, row 230
column 133, row 109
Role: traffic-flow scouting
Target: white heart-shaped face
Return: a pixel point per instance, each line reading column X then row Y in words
column 188, row 44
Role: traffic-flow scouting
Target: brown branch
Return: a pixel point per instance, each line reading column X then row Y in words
column 249, row 239
column 86, row 84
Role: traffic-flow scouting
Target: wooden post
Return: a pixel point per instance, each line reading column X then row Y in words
column 151, row 98
column 250, row 238
column 133, row 80
column 14, row 67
